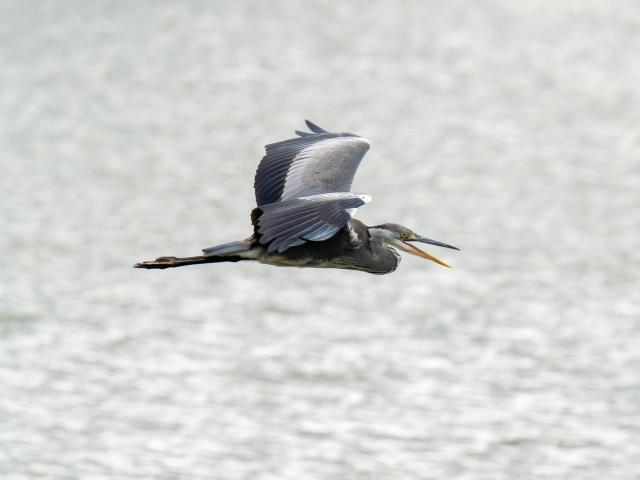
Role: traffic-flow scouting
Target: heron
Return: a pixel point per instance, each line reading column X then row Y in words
column 305, row 213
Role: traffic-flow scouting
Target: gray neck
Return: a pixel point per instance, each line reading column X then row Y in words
column 380, row 242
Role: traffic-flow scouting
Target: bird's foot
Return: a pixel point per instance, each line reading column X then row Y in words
column 160, row 262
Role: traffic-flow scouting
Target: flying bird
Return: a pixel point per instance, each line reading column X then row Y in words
column 305, row 209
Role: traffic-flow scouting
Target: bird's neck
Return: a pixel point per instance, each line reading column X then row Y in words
column 381, row 246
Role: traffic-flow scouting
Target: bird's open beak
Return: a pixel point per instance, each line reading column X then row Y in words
column 412, row 249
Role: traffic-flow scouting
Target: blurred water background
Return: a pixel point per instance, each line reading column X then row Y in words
column 130, row 130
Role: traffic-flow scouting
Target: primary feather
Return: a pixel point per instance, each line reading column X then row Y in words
column 315, row 163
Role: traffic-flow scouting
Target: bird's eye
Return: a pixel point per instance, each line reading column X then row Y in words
column 404, row 235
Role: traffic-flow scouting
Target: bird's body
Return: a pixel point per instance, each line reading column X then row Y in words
column 352, row 248
column 304, row 216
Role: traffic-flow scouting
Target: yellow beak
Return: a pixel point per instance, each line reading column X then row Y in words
column 407, row 247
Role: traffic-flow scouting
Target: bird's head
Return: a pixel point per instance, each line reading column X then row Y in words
column 399, row 237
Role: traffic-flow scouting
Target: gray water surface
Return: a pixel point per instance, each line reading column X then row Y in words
column 509, row 129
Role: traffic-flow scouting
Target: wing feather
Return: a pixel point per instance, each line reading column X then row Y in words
column 292, row 222
column 314, row 128
column 314, row 163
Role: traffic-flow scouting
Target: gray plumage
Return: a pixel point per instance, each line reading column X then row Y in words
column 315, row 163
column 304, row 212
column 293, row 222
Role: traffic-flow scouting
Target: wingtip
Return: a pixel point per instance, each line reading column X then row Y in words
column 314, row 128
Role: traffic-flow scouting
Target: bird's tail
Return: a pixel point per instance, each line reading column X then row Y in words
column 229, row 252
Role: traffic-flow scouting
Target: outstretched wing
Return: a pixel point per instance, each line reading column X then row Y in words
column 315, row 163
column 292, row 222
